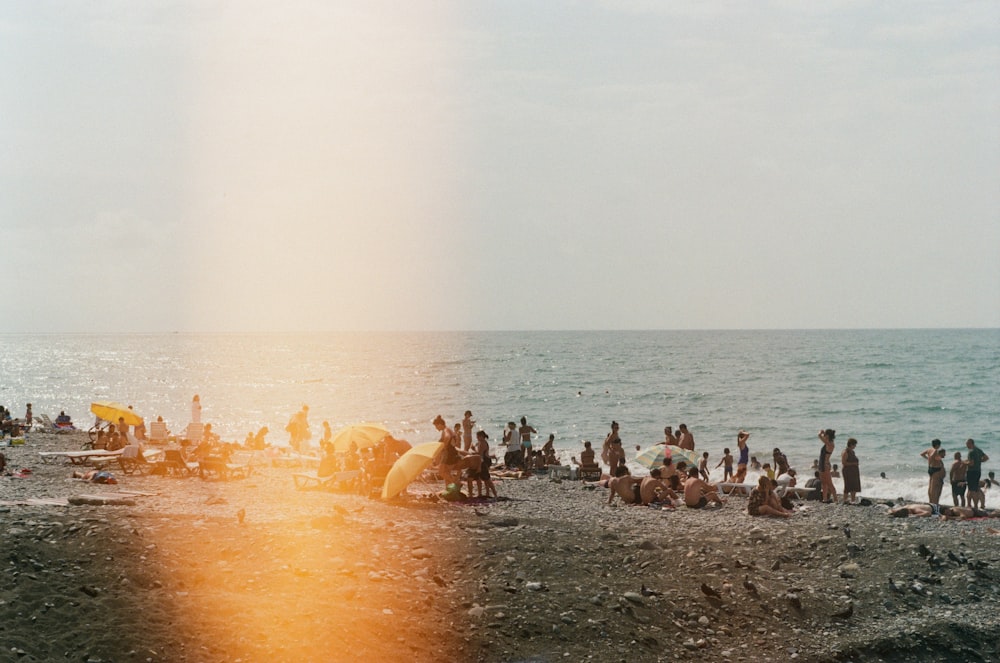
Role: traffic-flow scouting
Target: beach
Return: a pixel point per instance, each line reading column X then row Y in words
column 251, row 569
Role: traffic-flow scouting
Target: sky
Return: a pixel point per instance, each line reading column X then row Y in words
column 313, row 166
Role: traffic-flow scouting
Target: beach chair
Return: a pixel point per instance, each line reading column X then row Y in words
column 194, row 432
column 238, row 465
column 174, row 463
column 591, row 472
column 158, row 432
column 132, row 462
column 304, row 480
column 80, row 457
column 46, row 423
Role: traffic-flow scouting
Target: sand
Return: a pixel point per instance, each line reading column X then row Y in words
column 547, row 573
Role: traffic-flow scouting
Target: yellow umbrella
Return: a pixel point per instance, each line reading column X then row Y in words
column 363, row 436
column 409, row 466
column 111, row 411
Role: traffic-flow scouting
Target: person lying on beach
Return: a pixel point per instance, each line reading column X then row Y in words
column 945, row 512
column 764, row 502
column 698, row 492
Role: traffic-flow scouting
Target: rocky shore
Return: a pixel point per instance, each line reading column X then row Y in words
column 253, row 570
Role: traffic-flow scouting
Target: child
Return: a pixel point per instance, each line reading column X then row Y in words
column 727, row 462
column 768, row 470
column 703, row 466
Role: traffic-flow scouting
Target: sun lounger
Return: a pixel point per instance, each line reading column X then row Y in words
column 736, row 488
column 131, row 461
column 158, row 432
column 560, row 471
column 337, row 479
column 239, row 465
column 174, row 463
column 80, row 457
column 50, row 426
column 591, row 472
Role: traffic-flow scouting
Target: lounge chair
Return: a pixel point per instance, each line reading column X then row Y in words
column 591, row 472
column 80, row 457
column 194, row 432
column 174, row 463
column 238, row 465
column 132, row 462
column 158, row 432
column 335, row 480
column 50, row 426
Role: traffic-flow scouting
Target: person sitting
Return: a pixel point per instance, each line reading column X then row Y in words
column 698, row 492
column 653, row 489
column 815, row 486
column 588, row 460
column 115, row 442
column 625, row 486
column 764, row 502
column 63, row 419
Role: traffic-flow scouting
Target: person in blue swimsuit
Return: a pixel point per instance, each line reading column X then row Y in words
column 744, row 457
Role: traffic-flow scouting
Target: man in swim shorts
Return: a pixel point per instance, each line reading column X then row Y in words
column 698, row 492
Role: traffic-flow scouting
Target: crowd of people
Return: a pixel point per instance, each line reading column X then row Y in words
column 467, row 457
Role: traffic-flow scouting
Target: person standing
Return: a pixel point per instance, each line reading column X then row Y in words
column 526, row 431
column 608, row 441
column 685, row 438
column 852, row 472
column 935, row 470
column 669, row 438
column 483, row 449
column 27, row 417
column 780, row 462
column 467, row 424
column 975, row 459
column 829, row 491
column 744, row 456
column 958, row 480
column 196, row 409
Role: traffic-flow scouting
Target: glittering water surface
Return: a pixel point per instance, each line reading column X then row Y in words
column 893, row 390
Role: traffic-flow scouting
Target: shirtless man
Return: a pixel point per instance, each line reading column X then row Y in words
column 653, row 489
column 698, row 492
column 625, row 486
column 668, row 436
column 957, row 477
column 935, row 470
column 685, row 440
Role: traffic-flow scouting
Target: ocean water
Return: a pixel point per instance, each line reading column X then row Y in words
column 893, row 390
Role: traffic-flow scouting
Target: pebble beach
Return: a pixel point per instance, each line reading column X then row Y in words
column 185, row 569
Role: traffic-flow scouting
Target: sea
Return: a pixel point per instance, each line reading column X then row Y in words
column 892, row 390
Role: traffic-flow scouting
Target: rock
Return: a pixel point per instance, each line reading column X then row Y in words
column 633, row 597
column 849, row 570
column 420, row 553
column 476, row 611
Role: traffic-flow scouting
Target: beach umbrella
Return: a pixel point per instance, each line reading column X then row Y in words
column 654, row 456
column 363, row 436
column 111, row 411
column 409, row 466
